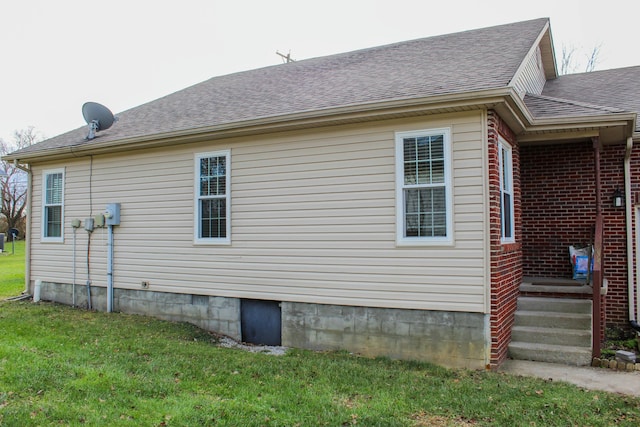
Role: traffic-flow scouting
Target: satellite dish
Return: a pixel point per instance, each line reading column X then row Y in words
column 98, row 117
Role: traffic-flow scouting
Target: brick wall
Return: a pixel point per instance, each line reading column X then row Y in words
column 558, row 210
column 558, row 205
column 635, row 197
column 506, row 259
column 615, row 240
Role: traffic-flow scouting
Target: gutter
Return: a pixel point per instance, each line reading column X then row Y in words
column 629, row 220
column 356, row 113
column 563, row 123
column 27, row 249
column 505, row 100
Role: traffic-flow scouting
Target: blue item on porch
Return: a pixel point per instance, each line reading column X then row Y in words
column 580, row 267
column 580, row 262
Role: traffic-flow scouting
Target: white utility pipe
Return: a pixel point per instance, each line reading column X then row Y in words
column 36, row 290
column 73, row 285
column 88, row 283
column 110, row 269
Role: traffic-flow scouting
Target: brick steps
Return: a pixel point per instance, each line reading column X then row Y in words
column 556, row 330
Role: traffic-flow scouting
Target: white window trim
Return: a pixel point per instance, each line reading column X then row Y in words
column 43, row 237
column 505, row 146
column 196, row 203
column 401, row 240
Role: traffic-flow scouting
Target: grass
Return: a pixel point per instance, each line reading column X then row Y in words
column 12, row 270
column 64, row 366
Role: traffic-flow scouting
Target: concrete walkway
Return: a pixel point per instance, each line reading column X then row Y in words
column 582, row 376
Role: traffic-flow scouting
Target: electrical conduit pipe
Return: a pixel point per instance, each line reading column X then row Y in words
column 112, row 217
column 110, row 269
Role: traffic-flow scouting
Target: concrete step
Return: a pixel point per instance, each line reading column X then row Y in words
column 552, row 320
column 561, row 305
column 555, row 336
column 568, row 355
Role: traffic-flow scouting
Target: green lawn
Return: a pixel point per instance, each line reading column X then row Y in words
column 64, row 366
column 12, row 270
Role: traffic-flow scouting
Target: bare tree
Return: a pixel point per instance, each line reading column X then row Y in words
column 569, row 64
column 592, row 58
column 14, row 184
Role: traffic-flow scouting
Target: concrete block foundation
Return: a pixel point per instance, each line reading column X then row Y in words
column 451, row 339
column 445, row 338
column 212, row 313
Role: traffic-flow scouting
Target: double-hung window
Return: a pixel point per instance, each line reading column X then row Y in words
column 52, row 205
column 212, row 198
column 423, row 187
column 506, row 192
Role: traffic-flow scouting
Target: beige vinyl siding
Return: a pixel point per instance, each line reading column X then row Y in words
column 313, row 220
column 531, row 78
column 54, row 261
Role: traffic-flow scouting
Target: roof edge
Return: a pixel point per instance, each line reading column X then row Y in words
column 504, row 100
column 603, row 108
column 271, row 124
column 544, row 40
column 536, row 128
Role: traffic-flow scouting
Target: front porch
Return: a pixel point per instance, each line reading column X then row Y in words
column 556, row 287
column 566, row 189
column 563, row 196
column 553, row 321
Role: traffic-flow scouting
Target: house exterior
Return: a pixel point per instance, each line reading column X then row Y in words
column 389, row 201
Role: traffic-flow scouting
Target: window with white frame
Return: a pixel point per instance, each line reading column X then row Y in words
column 212, row 198
column 53, row 205
column 506, row 192
column 423, row 187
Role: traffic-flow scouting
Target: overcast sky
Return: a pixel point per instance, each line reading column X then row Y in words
column 56, row 55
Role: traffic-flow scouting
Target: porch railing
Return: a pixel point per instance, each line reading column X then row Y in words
column 597, row 283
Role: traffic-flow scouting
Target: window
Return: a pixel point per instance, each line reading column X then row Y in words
column 506, row 192
column 52, row 205
column 423, row 187
column 212, row 201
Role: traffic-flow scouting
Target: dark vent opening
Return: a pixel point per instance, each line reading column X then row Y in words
column 261, row 322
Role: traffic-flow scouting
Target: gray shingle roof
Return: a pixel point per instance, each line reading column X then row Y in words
column 618, row 89
column 546, row 107
column 468, row 61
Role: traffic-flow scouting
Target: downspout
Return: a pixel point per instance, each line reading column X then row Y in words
column 27, row 240
column 629, row 219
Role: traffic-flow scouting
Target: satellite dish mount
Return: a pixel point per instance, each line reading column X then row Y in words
column 98, row 117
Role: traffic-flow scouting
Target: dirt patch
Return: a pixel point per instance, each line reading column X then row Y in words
column 274, row 350
column 422, row 419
